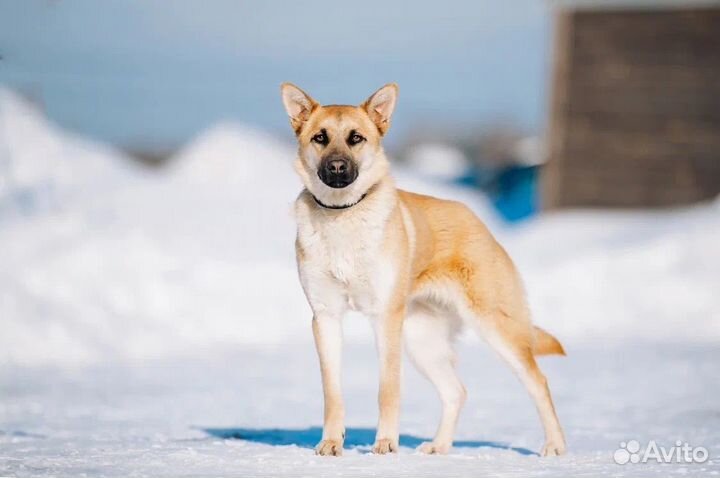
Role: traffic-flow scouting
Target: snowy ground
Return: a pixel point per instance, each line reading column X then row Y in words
column 152, row 325
column 257, row 412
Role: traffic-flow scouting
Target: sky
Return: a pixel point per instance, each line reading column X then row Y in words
column 151, row 74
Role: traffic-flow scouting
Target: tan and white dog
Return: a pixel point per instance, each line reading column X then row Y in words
column 419, row 267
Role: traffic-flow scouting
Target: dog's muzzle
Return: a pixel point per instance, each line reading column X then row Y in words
column 337, row 171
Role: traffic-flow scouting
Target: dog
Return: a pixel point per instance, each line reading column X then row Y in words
column 419, row 267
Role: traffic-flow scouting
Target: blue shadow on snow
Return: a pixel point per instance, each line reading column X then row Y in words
column 354, row 438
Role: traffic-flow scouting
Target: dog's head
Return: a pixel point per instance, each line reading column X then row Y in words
column 340, row 155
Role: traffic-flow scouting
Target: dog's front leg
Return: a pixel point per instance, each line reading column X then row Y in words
column 388, row 334
column 327, row 330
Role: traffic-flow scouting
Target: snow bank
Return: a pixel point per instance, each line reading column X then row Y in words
column 194, row 259
column 201, row 256
column 438, row 160
column 42, row 167
column 234, row 153
column 624, row 275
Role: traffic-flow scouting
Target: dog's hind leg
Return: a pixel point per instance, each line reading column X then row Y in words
column 512, row 339
column 429, row 343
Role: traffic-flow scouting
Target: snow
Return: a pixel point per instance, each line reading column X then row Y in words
column 624, row 275
column 530, row 151
column 147, row 320
column 181, row 417
column 438, row 160
column 42, row 167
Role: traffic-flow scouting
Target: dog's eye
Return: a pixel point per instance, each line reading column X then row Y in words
column 355, row 139
column 320, row 138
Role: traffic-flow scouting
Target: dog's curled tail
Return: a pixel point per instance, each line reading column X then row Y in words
column 546, row 344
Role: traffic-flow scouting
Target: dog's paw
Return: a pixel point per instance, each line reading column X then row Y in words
column 433, row 448
column 329, row 448
column 553, row 448
column 384, row 446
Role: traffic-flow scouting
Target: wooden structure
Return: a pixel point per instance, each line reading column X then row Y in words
column 635, row 108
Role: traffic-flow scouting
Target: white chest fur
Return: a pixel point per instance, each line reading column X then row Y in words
column 343, row 259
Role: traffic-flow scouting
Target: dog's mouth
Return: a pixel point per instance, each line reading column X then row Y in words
column 338, row 183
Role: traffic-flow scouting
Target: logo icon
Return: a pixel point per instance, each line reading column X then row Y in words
column 627, row 453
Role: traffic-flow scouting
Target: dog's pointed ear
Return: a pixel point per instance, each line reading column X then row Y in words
column 380, row 106
column 298, row 105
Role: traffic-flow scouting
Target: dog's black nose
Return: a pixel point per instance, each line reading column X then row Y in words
column 337, row 171
column 337, row 166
